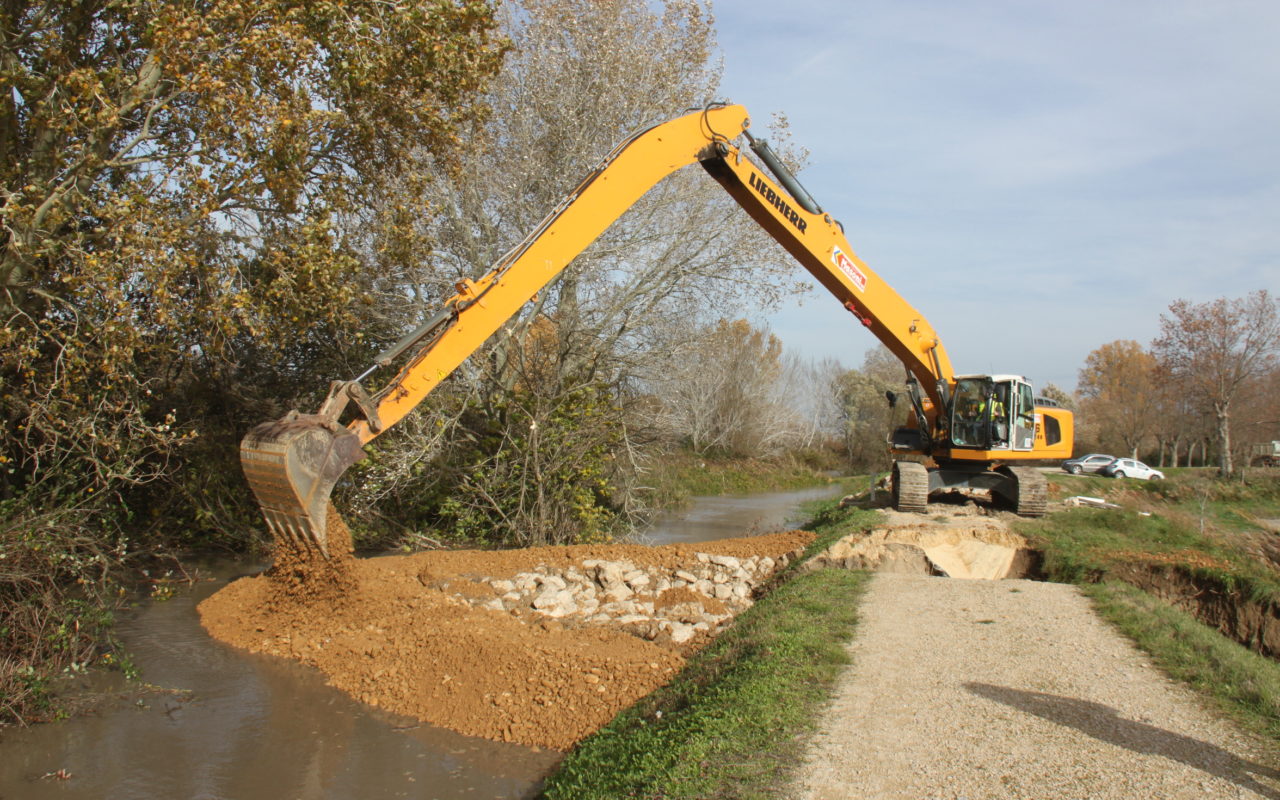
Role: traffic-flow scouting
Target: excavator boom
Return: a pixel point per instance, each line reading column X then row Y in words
column 294, row 463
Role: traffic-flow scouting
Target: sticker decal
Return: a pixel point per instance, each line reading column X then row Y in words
column 849, row 268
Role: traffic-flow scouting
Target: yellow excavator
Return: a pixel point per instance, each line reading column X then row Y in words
column 962, row 430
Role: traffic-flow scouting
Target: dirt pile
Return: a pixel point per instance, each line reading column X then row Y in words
column 539, row 646
column 958, row 542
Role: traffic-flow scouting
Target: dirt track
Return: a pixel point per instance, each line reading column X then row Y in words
column 539, row 646
column 1015, row 689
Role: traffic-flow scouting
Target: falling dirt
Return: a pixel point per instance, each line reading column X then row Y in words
column 405, row 633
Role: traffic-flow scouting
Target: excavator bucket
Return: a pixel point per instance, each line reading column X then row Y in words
column 292, row 465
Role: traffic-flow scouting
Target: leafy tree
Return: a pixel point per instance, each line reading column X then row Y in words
column 868, row 418
column 1119, row 390
column 1216, row 350
column 172, row 175
column 721, row 393
column 175, row 180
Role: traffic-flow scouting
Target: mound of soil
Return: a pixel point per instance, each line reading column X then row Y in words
column 385, row 631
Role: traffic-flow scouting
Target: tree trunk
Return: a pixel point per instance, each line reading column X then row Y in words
column 1223, row 412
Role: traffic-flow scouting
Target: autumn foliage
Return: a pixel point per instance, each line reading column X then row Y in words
column 180, row 180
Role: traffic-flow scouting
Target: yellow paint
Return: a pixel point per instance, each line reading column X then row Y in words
column 635, row 166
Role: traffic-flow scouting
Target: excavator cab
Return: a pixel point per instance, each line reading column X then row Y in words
column 993, row 412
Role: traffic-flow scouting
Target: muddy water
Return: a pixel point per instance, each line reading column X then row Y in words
column 220, row 723
column 232, row 725
column 735, row 515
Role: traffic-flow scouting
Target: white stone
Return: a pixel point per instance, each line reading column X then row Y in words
column 719, row 577
column 726, row 561
column 681, row 633
column 609, row 574
column 618, row 593
column 502, row 587
column 741, row 590
column 723, row 591
column 705, row 587
column 703, row 557
column 629, row 618
column 525, row 583
column 545, row 600
column 687, row 577
column 554, row 581
column 766, row 563
column 662, row 585
column 493, row 605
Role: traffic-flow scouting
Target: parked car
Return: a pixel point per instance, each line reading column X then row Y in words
column 1129, row 468
column 1094, row 462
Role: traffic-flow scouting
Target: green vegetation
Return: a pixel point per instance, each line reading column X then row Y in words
column 1243, row 684
column 1198, row 525
column 196, row 225
column 1192, row 520
column 730, row 724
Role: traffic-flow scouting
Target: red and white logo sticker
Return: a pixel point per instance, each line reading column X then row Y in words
column 849, row 268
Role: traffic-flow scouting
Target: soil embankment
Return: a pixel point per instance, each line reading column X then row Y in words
column 957, row 542
column 539, row 646
column 1209, row 598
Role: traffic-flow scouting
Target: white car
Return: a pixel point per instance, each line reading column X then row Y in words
column 1131, row 468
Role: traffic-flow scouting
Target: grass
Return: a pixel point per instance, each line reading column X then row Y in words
column 732, row 723
column 1197, row 524
column 1242, row 683
column 1191, row 520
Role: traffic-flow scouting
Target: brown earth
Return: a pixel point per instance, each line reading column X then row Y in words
column 399, row 633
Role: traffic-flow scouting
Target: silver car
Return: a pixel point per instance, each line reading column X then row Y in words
column 1094, row 462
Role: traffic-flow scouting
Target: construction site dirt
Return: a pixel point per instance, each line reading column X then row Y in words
column 537, row 646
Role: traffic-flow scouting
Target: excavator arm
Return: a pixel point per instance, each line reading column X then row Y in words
column 818, row 242
column 292, row 464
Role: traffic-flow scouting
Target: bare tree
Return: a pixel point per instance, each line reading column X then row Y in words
column 722, row 393
column 580, row 77
column 868, row 418
column 1216, row 349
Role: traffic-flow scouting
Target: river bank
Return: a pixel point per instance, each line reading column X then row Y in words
column 205, row 718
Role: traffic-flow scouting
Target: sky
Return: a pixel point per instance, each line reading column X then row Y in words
column 1038, row 178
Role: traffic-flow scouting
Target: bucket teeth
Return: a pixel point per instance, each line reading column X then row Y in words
column 292, row 465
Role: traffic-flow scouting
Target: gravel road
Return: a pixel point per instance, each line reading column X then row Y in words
column 1015, row 689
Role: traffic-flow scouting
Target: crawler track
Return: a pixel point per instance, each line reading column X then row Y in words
column 1033, row 491
column 910, row 486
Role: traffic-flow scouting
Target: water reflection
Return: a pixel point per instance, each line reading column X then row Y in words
column 735, row 515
